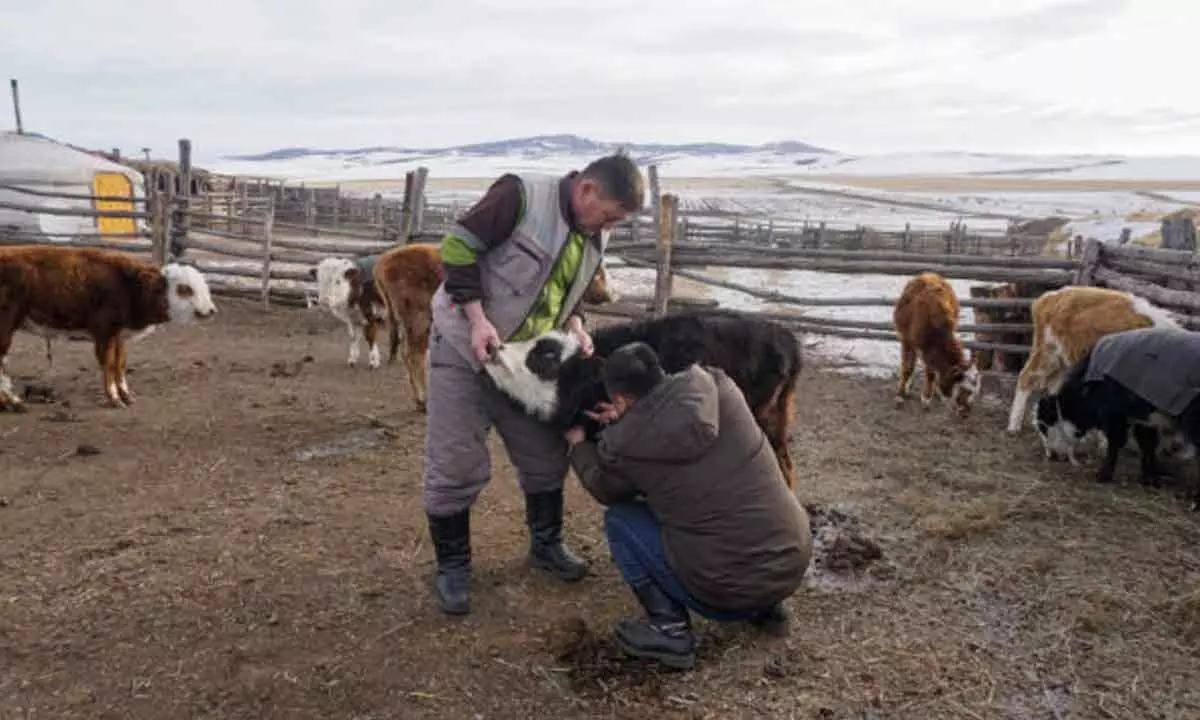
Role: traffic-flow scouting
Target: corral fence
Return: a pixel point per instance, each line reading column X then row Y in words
column 258, row 238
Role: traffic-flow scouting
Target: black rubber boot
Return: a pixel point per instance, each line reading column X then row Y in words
column 776, row 621
column 544, row 515
column 664, row 635
column 452, row 546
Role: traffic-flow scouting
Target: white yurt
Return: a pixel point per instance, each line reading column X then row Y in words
column 34, row 162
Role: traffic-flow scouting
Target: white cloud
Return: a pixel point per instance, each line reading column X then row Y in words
column 856, row 75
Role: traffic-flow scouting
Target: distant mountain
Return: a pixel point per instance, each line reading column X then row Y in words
column 542, row 145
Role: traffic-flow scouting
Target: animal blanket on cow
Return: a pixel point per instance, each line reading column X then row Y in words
column 1159, row 365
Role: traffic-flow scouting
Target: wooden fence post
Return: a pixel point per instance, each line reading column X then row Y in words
column 406, row 207
column 417, row 218
column 182, row 220
column 268, row 227
column 655, row 198
column 666, row 236
column 310, row 208
column 1086, row 274
column 16, row 100
column 159, row 228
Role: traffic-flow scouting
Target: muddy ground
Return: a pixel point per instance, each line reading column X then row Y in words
column 248, row 542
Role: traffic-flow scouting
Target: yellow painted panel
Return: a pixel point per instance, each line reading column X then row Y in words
column 114, row 184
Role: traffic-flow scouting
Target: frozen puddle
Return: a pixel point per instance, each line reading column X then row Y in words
column 348, row 444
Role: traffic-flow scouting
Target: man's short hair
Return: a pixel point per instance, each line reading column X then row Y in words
column 632, row 370
column 618, row 176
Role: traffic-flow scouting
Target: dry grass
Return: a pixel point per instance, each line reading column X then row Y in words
column 196, row 568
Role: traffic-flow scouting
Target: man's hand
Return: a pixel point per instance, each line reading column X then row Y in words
column 575, row 327
column 484, row 338
column 604, row 413
column 574, row 436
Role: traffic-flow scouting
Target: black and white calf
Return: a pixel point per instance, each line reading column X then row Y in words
column 1147, row 380
column 552, row 380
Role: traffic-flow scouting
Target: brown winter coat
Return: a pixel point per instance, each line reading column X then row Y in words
column 734, row 535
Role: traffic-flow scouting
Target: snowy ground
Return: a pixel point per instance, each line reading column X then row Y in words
column 871, row 357
column 1099, row 195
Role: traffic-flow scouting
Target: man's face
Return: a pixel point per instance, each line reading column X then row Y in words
column 594, row 210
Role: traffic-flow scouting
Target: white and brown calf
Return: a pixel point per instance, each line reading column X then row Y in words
column 347, row 289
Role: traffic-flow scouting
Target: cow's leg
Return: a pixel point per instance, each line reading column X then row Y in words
column 371, row 332
column 393, row 340
column 106, row 355
column 908, row 363
column 928, row 388
column 122, row 384
column 355, row 334
column 49, row 354
column 1029, row 378
column 1147, row 442
column 787, row 410
column 1116, row 433
column 416, row 346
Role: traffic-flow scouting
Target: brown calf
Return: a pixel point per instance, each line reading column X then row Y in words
column 111, row 297
column 406, row 279
column 926, row 319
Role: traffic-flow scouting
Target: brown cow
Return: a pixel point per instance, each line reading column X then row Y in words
column 1067, row 322
column 110, row 297
column 406, row 279
column 926, row 319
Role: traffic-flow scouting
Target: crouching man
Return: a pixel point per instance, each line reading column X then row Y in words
column 715, row 530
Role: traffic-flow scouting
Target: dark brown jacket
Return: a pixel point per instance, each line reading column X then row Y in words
column 734, row 535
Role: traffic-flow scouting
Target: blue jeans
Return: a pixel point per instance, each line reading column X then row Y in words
column 635, row 542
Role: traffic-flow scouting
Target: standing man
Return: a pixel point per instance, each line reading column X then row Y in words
column 517, row 264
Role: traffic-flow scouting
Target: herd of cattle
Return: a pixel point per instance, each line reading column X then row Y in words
column 111, row 299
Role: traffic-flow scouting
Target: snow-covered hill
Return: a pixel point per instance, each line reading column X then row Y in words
column 794, row 159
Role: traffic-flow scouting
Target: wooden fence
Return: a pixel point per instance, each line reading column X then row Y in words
column 244, row 248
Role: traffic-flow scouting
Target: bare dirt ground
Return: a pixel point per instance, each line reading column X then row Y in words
column 192, row 557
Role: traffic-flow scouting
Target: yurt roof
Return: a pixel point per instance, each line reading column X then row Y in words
column 35, row 159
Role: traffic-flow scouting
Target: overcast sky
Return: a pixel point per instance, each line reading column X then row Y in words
column 852, row 75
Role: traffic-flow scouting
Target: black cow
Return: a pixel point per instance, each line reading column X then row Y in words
column 551, row 380
column 1111, row 390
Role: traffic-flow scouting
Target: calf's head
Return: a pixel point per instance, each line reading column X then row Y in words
column 961, row 387
column 337, row 281
column 188, row 296
column 548, row 377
